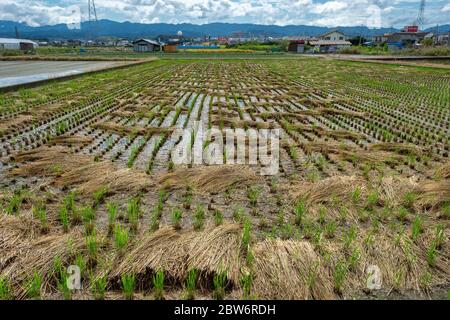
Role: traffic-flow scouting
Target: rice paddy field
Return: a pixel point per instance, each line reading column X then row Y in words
column 362, row 195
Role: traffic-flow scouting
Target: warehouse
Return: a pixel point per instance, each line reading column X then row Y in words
column 145, row 45
column 17, row 44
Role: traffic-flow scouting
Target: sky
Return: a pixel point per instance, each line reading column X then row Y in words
column 329, row 13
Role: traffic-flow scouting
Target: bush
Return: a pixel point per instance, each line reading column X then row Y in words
column 350, row 51
column 10, row 53
column 428, row 51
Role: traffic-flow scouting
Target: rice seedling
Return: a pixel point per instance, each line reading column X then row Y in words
column 246, row 234
column 134, row 153
column 219, row 282
column 98, row 287
column 112, row 208
column 246, row 283
column 402, row 213
column 176, row 217
column 356, row 195
column 121, row 237
column 238, row 214
column 158, row 285
column 88, row 216
column 299, row 210
column 14, row 204
column 218, row 217
column 40, row 213
column 446, row 209
column 330, row 229
column 439, row 236
column 416, row 228
column 339, row 275
column 249, row 257
column 409, row 199
column 99, row 196
column 188, row 200
column 128, row 286
column 64, row 218
column 399, row 277
column 431, row 253
column 253, row 194
column 425, row 280
column 349, row 236
column 92, row 246
column 312, row 176
column 353, row 259
column 191, row 282
column 372, row 199
column 133, row 212
column 154, row 219
column 5, row 288
column 63, row 285
column 199, row 218
column 322, row 214
column 33, row 286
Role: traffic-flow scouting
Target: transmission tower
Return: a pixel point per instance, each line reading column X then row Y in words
column 420, row 20
column 92, row 18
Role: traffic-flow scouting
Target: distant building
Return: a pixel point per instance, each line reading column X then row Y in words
column 333, row 35
column 408, row 37
column 223, row 40
column 123, row 43
column 297, row 46
column 411, row 29
column 330, row 46
column 146, row 45
column 74, row 43
column 380, row 39
column 442, row 39
column 17, row 44
column 399, row 40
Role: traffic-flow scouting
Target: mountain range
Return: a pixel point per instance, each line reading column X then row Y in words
column 130, row 30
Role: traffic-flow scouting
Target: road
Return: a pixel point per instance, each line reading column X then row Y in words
column 22, row 72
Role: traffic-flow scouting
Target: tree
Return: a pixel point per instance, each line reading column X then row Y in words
column 427, row 42
column 358, row 40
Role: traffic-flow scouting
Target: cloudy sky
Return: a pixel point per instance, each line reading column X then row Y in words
column 329, row 13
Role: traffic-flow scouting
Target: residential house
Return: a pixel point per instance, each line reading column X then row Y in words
column 333, row 35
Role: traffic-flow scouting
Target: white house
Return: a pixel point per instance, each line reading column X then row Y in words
column 17, row 44
column 333, row 36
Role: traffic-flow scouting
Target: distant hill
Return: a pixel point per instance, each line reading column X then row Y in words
column 129, row 30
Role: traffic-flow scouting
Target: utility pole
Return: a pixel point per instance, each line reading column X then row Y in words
column 17, row 32
column 436, row 41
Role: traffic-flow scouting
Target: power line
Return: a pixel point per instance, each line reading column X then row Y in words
column 92, row 18
column 420, row 20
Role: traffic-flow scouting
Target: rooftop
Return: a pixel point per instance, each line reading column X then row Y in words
column 13, row 40
column 330, row 42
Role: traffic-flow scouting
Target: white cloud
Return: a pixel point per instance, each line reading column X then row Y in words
column 281, row 12
column 331, row 6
